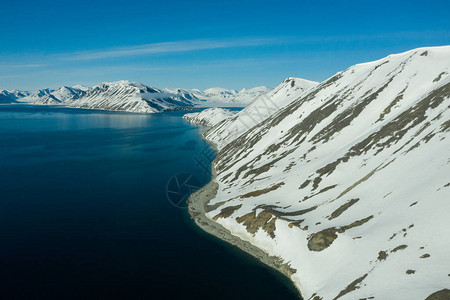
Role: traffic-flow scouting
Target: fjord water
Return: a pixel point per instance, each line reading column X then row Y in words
column 84, row 212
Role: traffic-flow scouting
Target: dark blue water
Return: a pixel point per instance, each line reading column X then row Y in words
column 84, row 212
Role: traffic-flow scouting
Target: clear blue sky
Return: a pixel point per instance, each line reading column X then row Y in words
column 201, row 44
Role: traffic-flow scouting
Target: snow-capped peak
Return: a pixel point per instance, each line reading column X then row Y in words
column 80, row 87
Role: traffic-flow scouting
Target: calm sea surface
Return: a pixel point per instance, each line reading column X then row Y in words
column 91, row 208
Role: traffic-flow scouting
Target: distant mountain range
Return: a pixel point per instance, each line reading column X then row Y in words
column 12, row 96
column 133, row 97
column 231, row 97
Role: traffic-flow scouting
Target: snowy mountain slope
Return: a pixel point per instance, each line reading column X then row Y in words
column 210, row 116
column 67, row 94
column 41, row 97
column 129, row 96
column 259, row 110
column 7, row 97
column 225, row 97
column 19, row 94
column 61, row 96
column 186, row 95
column 12, row 96
column 349, row 184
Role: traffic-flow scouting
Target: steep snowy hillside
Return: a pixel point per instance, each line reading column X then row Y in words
column 225, row 97
column 210, row 116
column 259, row 110
column 349, row 185
column 129, row 96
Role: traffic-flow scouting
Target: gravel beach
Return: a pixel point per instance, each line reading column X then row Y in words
column 198, row 206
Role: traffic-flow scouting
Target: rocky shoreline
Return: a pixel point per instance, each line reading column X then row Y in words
column 198, row 207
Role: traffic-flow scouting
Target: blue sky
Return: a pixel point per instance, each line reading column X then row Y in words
column 201, row 44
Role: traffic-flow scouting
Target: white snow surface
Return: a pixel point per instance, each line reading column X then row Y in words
column 355, row 178
column 209, row 116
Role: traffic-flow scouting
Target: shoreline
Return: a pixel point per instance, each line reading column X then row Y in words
column 198, row 207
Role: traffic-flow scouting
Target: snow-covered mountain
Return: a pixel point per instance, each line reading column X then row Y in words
column 133, row 97
column 259, row 110
column 130, row 96
column 225, row 97
column 47, row 96
column 136, row 97
column 41, row 97
column 187, row 95
column 6, row 97
column 12, row 96
column 347, row 187
column 17, row 94
column 120, row 95
column 209, row 116
column 67, row 94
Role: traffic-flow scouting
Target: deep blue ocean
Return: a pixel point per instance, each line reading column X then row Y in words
column 91, row 207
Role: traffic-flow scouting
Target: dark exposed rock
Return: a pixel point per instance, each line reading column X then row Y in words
column 351, row 287
column 382, row 255
column 263, row 191
column 443, row 294
column 227, row 211
column 439, row 76
column 401, row 247
column 343, row 208
column 322, row 239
